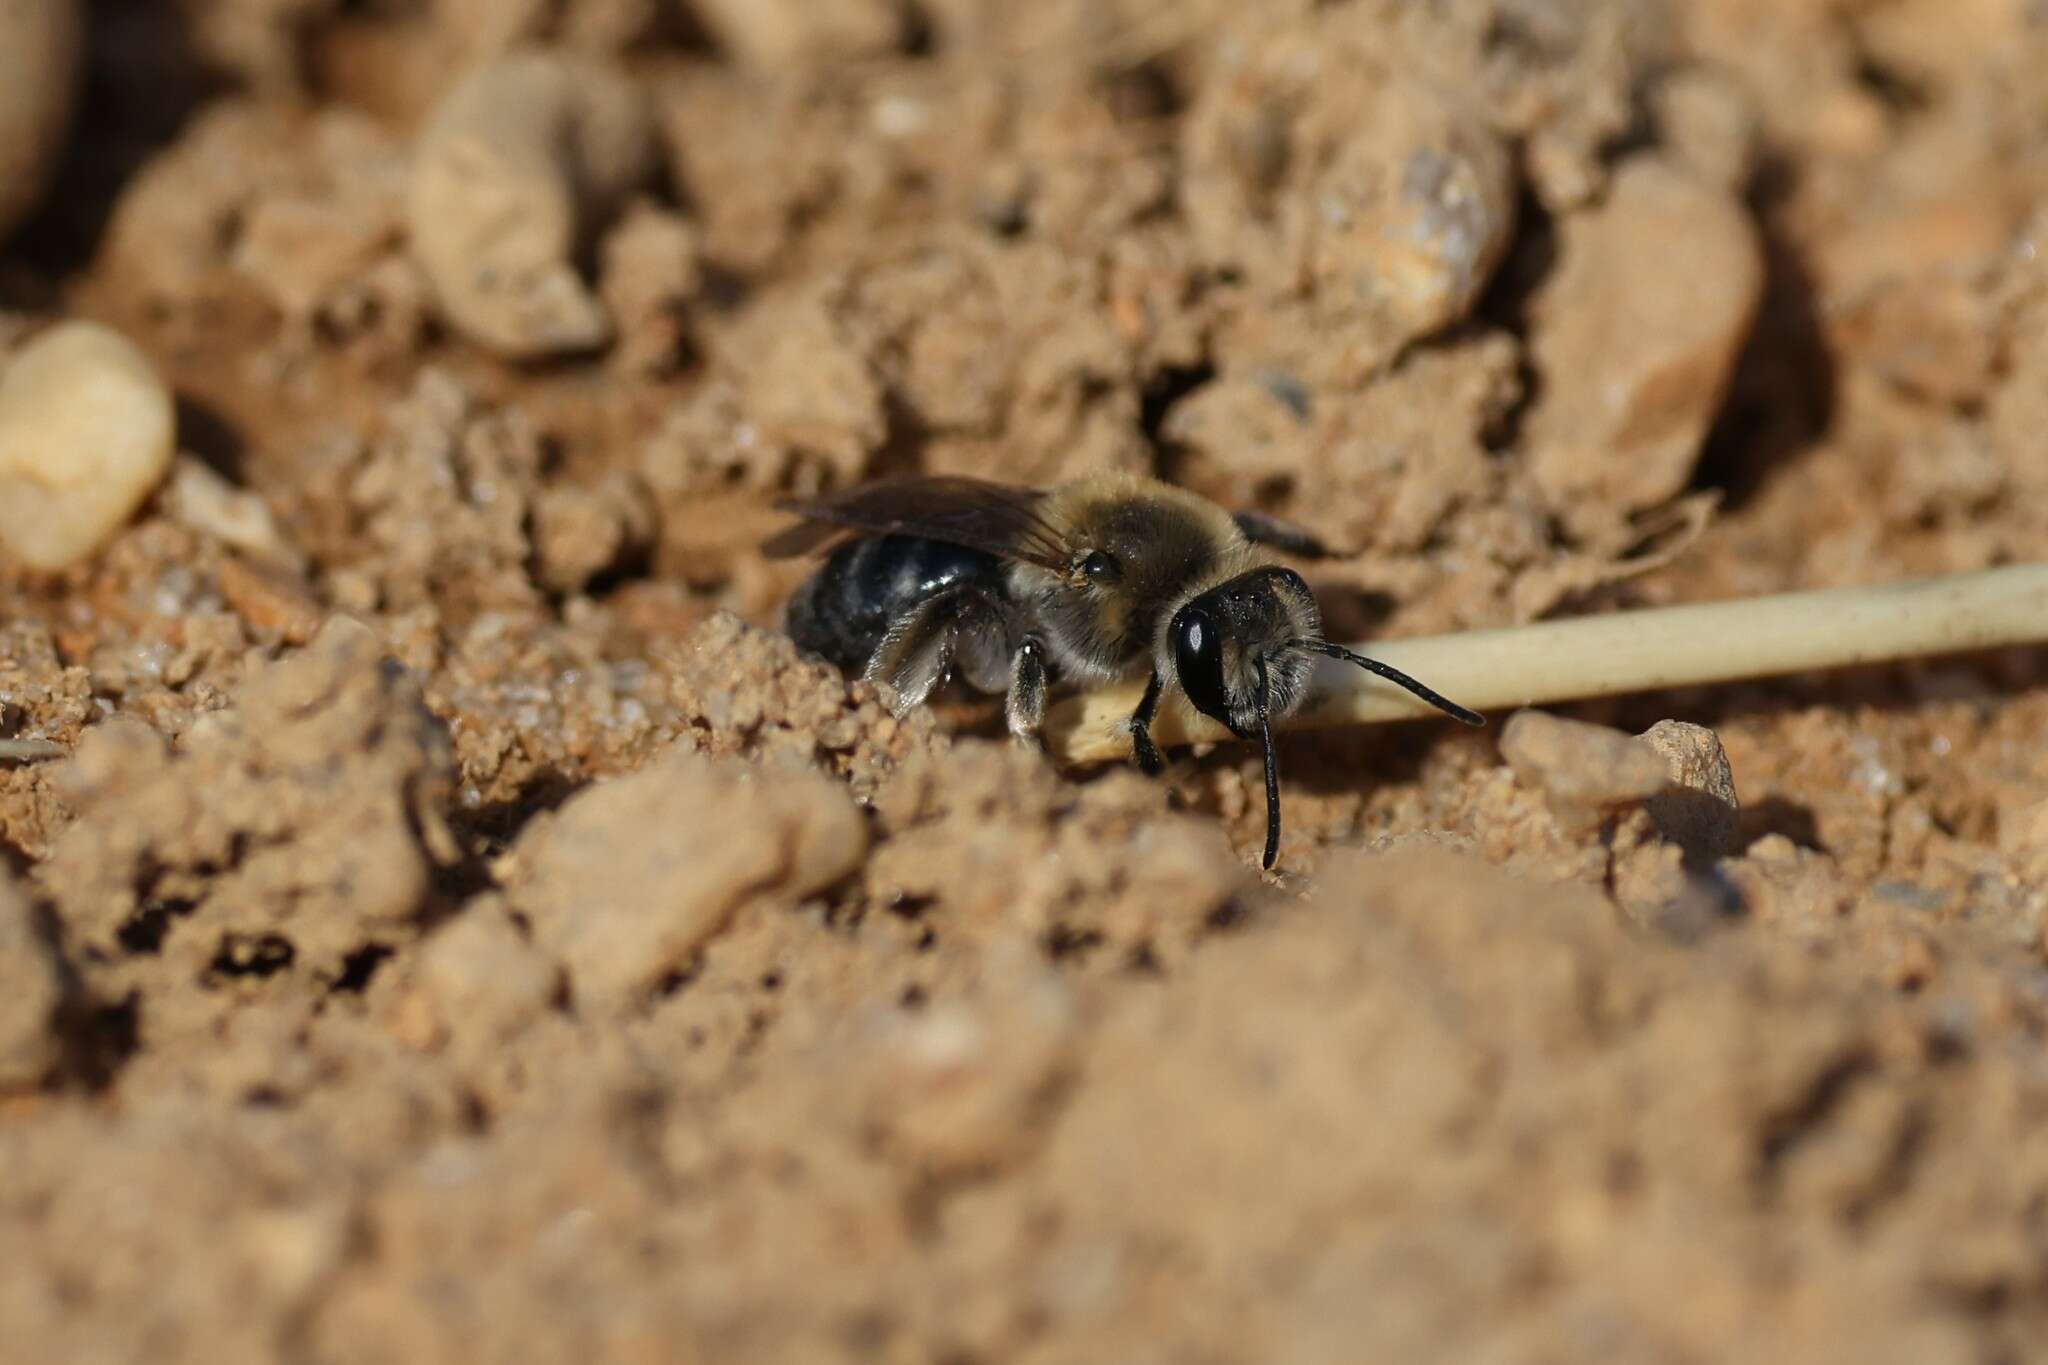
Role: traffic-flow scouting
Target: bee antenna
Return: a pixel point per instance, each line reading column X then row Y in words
column 1396, row 677
column 1272, row 766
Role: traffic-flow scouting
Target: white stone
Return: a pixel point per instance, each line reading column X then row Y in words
column 87, row 430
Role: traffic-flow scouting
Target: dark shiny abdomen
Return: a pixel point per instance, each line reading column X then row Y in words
column 841, row 612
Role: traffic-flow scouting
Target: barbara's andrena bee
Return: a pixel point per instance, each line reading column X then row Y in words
column 1098, row 580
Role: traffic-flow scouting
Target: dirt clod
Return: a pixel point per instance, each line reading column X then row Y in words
column 521, row 167
column 630, row 880
column 1637, row 337
column 1583, row 769
column 290, row 829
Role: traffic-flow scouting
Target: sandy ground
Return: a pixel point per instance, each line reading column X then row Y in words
column 465, row 930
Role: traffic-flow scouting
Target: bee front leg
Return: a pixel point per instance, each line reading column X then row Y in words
column 1147, row 753
column 1025, row 705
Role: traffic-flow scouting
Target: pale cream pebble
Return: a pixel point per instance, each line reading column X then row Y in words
column 1636, row 338
column 42, row 51
column 205, row 501
column 87, row 431
column 517, row 171
column 630, row 878
column 1698, row 810
column 1582, row 770
column 28, row 1040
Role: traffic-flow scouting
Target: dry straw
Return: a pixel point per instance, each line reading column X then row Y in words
column 1599, row 656
column 29, row 750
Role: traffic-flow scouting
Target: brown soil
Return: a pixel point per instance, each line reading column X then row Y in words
column 465, row 931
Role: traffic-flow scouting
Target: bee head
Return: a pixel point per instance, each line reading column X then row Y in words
column 1236, row 647
column 1243, row 653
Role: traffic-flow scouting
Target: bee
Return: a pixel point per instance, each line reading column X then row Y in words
column 1106, row 578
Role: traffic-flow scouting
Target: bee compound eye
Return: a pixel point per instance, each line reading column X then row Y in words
column 1198, row 662
column 1100, row 566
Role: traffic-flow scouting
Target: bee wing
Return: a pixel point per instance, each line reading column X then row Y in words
column 1002, row 519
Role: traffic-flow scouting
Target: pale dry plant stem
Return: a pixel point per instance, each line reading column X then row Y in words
column 1598, row 656
column 30, row 750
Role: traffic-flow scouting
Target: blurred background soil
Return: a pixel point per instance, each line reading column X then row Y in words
column 464, row 930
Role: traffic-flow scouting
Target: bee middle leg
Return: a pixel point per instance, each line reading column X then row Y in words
column 1024, row 705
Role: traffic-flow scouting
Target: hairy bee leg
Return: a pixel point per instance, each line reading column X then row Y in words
column 1272, row 768
column 1263, row 528
column 1147, row 753
column 1025, row 705
column 918, row 652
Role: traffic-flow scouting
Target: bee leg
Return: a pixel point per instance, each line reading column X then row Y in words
column 1146, row 752
column 1272, row 767
column 1025, row 705
column 1263, row 528
column 917, row 653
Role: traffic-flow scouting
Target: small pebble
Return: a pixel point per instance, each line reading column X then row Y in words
column 1580, row 767
column 1417, row 211
column 207, row 503
column 1636, row 336
column 1698, row 811
column 521, row 163
column 87, row 429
